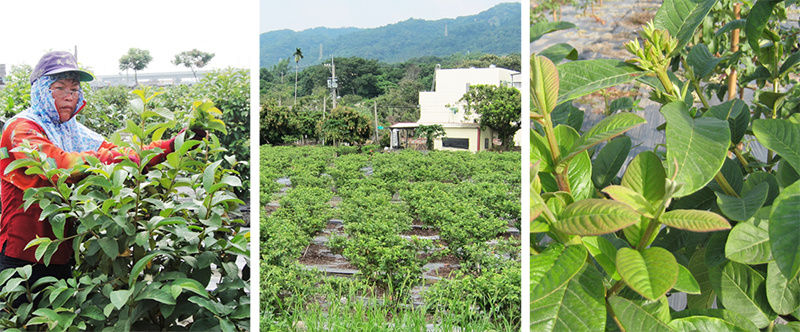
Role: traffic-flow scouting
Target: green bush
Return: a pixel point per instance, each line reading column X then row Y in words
column 145, row 257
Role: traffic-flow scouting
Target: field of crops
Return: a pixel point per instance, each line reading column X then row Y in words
column 389, row 239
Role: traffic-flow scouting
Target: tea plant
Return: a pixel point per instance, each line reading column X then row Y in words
column 377, row 197
column 706, row 217
column 147, row 256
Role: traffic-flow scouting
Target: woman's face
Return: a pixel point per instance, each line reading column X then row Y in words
column 65, row 104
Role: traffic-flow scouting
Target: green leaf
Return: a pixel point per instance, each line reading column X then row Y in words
column 635, row 232
column 650, row 273
column 694, row 220
column 741, row 289
column 604, row 130
column 686, row 282
column 559, row 52
column 19, row 163
column 120, row 297
column 134, row 129
column 580, row 168
column 784, row 230
column 609, row 161
column 631, row 198
column 681, row 18
column 756, row 178
column 93, row 313
column 645, row 175
column 736, row 113
column 226, row 325
column 786, row 174
column 576, row 306
column 699, row 270
column 191, row 285
column 756, row 22
column 137, row 105
column 702, row 61
column 580, row 78
column 542, row 28
column 741, row 209
column 632, row 317
column 595, row 217
column 790, row 62
column 729, row 316
column 702, row 323
column 749, row 244
column 205, row 324
column 162, row 112
column 140, row 265
column 553, row 268
column 604, row 252
column 781, row 136
column 697, row 147
column 209, row 175
column 730, row 26
column 715, row 253
column 544, row 84
column 783, row 294
column 110, row 247
column 158, row 295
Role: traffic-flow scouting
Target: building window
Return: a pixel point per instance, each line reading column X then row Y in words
column 456, row 143
column 485, row 143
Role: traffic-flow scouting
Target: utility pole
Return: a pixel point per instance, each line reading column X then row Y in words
column 334, row 84
column 322, row 128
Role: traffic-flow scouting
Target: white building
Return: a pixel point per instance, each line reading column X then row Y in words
column 442, row 106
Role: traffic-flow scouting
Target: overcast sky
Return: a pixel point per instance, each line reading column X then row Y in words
column 306, row 14
column 103, row 31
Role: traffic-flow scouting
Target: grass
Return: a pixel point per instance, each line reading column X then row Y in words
column 338, row 304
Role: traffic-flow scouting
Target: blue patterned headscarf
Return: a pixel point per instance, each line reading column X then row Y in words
column 69, row 136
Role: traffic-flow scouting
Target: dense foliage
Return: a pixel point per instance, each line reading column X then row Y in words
column 369, row 87
column 108, row 109
column 148, row 257
column 499, row 108
column 468, row 198
column 706, row 217
column 494, row 30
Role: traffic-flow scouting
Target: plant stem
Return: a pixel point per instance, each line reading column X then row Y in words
column 614, row 289
column 741, row 158
column 699, row 91
column 661, row 73
column 563, row 184
column 726, row 187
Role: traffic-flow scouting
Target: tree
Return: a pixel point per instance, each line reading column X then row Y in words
column 345, row 125
column 499, row 108
column 193, row 60
column 431, row 133
column 298, row 54
column 136, row 59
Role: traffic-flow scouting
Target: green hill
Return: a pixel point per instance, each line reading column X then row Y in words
column 495, row 31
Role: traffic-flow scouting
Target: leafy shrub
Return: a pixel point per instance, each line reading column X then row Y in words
column 306, row 207
column 282, row 240
column 475, row 298
column 141, row 247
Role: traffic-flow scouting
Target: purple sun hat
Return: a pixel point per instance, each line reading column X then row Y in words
column 58, row 62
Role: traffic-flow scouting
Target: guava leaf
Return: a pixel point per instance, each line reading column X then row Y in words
column 651, row 273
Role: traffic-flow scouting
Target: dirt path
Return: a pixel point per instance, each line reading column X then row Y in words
column 601, row 36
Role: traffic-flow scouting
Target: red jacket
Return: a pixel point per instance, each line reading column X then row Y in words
column 17, row 226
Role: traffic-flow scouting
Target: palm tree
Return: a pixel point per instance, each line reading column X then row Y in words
column 298, row 54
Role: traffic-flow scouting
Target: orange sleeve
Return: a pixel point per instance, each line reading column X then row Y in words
column 23, row 129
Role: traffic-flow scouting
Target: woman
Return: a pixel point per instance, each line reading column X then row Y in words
column 50, row 126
